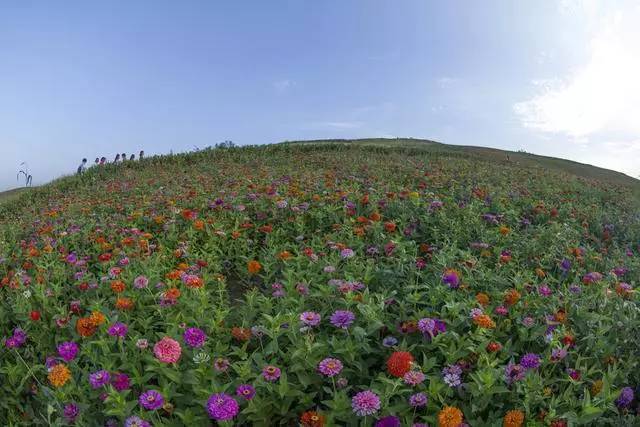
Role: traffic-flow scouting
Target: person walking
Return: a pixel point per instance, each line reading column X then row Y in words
column 141, row 155
column 117, row 158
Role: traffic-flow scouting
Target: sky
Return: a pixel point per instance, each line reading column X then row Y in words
column 87, row 79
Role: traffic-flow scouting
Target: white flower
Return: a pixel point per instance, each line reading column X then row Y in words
column 26, row 294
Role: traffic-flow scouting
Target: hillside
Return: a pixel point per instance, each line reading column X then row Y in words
column 492, row 155
column 318, row 283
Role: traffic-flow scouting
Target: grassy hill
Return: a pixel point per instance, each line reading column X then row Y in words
column 323, row 283
column 491, row 155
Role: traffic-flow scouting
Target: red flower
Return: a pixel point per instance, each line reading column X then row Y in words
column 493, row 347
column 399, row 363
column 35, row 315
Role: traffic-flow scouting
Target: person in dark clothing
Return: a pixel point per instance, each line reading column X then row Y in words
column 103, row 160
column 82, row 167
column 141, row 155
column 132, row 157
column 117, row 158
column 124, row 157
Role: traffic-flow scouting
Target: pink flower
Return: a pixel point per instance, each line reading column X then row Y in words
column 167, row 350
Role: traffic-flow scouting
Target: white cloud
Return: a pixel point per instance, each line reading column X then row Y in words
column 445, row 82
column 602, row 96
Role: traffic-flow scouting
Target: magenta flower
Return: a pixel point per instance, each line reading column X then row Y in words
column 418, row 400
column 365, row 403
column 271, row 373
column 68, row 350
column 151, row 400
column 121, row 382
column 194, row 337
column 99, row 379
column 140, row 282
column 413, row 378
column 330, row 367
column 222, row 407
column 246, row 391
column 118, row 329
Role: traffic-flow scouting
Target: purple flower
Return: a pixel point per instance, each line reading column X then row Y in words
column 246, row 391
column 99, row 379
column 121, row 382
column 413, row 378
column 528, row 321
column 194, row 337
column 222, row 407
column 513, row 373
column 565, row 265
column 135, row 421
column 558, row 354
column 389, row 341
column 17, row 340
column 625, row 398
column 431, row 327
column 347, row 253
column 544, row 290
column 451, row 375
column 418, row 400
column 451, row 278
column 310, row 318
column 330, row 367
column 221, row 364
column 388, row 421
column 140, row 282
column 530, row 361
column 271, row 373
column 365, row 403
column 342, row 319
column 118, row 329
column 68, row 350
column 151, row 400
column 71, row 412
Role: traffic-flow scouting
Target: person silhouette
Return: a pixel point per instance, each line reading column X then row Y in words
column 132, row 157
column 117, row 158
column 124, row 157
column 141, row 155
column 82, row 167
column 103, row 160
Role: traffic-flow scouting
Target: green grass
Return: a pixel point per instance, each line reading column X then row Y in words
column 6, row 196
column 493, row 155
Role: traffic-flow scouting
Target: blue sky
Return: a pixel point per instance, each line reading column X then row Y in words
column 86, row 79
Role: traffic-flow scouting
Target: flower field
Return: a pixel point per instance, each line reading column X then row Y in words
column 320, row 285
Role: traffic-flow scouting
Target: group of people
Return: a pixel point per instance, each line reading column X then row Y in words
column 120, row 158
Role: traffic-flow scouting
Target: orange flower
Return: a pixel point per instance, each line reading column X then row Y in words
column 117, row 286
column 484, row 321
column 312, row 419
column 254, row 267
column 173, row 275
column 97, row 318
column 389, row 227
column 198, row 224
column 195, row 282
column 85, row 327
column 449, row 416
column 512, row 297
column 504, row 230
column 284, row 255
column 399, row 363
column 513, row 418
column 59, row 375
column 172, row 293
column 483, row 299
column 375, row 216
column 540, row 272
column 124, row 304
column 241, row 334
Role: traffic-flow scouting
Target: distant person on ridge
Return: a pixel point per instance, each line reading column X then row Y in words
column 124, row 157
column 117, row 158
column 132, row 157
column 82, row 167
column 141, row 155
column 97, row 161
column 103, row 160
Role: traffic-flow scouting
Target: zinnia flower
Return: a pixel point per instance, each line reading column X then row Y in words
column 530, row 361
column 151, row 400
column 135, row 421
column 246, row 391
column 59, row 375
column 418, row 400
column 330, row 367
column 118, row 329
column 194, row 337
column 413, row 378
column 99, row 378
column 310, row 318
column 449, row 416
column 399, row 363
column 625, row 398
column 513, row 418
column 68, row 350
column 167, row 350
column 342, row 319
column 271, row 373
column 365, row 403
column 312, row 419
column 71, row 412
column 222, row 407
column 388, row 421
